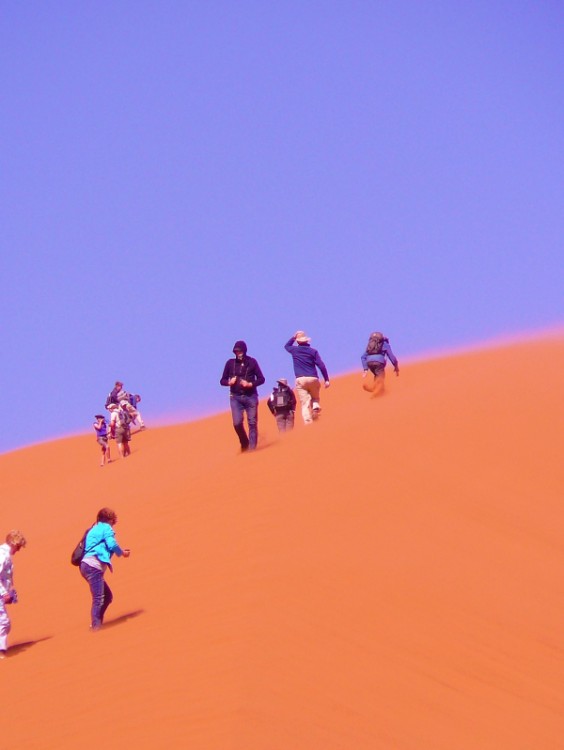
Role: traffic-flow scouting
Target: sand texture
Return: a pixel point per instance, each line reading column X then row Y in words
column 391, row 577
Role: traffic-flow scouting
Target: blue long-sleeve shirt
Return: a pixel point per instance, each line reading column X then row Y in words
column 381, row 358
column 306, row 359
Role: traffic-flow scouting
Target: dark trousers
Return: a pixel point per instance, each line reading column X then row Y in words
column 285, row 421
column 377, row 369
column 379, row 372
column 101, row 593
column 240, row 403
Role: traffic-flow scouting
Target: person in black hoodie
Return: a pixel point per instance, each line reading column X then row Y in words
column 243, row 375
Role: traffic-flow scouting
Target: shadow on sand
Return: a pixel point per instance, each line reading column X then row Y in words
column 122, row 618
column 19, row 648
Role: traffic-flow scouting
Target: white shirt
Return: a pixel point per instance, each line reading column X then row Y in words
column 6, row 569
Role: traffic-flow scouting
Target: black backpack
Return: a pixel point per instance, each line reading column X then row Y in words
column 281, row 399
column 78, row 551
column 375, row 343
column 111, row 399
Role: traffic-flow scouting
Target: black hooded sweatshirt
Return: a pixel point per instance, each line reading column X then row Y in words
column 246, row 368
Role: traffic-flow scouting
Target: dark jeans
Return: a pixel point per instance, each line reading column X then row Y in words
column 101, row 593
column 240, row 403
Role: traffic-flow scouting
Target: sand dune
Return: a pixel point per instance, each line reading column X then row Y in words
column 391, row 577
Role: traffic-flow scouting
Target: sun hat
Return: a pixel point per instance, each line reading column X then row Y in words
column 282, row 381
column 112, row 406
column 302, row 337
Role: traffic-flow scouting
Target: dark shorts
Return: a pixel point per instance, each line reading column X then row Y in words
column 377, row 369
column 103, row 441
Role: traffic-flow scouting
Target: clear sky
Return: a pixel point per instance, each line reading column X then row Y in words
column 178, row 175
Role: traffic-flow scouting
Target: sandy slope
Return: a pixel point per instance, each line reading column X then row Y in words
column 391, row 577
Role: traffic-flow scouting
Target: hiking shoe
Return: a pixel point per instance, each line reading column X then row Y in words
column 2, row 654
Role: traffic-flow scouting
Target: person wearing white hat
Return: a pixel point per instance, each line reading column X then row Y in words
column 307, row 361
column 101, row 429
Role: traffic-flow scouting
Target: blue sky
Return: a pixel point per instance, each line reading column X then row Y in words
column 178, row 175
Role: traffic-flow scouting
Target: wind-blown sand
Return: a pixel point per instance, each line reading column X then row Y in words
column 391, row 577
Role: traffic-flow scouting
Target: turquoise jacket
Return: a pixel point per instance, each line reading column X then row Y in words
column 101, row 543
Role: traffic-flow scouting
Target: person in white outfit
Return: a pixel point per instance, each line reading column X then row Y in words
column 15, row 540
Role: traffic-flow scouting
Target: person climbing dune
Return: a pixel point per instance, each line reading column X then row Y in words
column 373, row 359
column 307, row 361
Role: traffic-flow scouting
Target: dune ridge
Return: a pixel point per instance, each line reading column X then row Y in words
column 390, row 577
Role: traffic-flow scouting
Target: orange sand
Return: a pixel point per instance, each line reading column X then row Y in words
column 391, row 577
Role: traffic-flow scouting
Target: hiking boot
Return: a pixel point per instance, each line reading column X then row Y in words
column 315, row 406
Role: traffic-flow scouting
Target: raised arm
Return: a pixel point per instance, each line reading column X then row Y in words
column 289, row 345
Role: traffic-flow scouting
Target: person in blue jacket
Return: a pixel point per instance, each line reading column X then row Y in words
column 100, row 544
column 307, row 361
column 374, row 358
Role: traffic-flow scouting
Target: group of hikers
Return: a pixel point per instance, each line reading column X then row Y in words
column 242, row 374
column 124, row 414
column 99, row 543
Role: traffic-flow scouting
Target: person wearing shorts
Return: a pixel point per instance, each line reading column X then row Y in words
column 101, row 429
column 119, row 428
